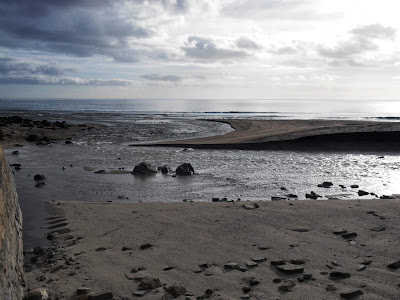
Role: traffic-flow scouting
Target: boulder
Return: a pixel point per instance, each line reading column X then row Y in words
column 144, row 168
column 185, row 169
column 38, row 294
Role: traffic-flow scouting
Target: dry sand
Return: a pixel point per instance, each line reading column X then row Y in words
column 300, row 135
column 186, row 235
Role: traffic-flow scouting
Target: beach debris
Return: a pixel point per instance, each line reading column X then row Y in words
column 144, row 169
column 349, row 235
column 176, row 290
column 250, row 206
column 325, row 184
column 39, row 177
column 145, row 246
column 331, row 287
column 395, row 265
column 354, row 186
column 313, row 196
column 351, row 294
column 378, row 228
column 184, row 170
column 37, row 294
column 339, row 275
column 287, row 286
column 149, row 283
column 362, row 193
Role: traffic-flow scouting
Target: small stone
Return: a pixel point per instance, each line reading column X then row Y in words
column 331, row 287
column 251, row 264
column 340, row 232
column 287, row 286
column 126, row 248
column 339, row 275
column 378, row 228
column 335, row 263
column 298, row 261
column 101, row 296
column 176, row 290
column 349, row 235
column 38, row 294
column 145, row 246
column 277, row 280
column 39, row 177
column 246, row 289
column 259, row 259
column 149, row 283
column 139, row 293
column 352, row 243
column 351, row 294
column 215, row 199
column 354, row 186
column 167, row 296
column 301, row 229
column 100, row 249
column 362, row 193
column 394, row 265
column 325, row 184
column 366, row 262
column 250, row 206
column 290, row 269
column 168, row 268
column 361, row 268
column 231, row 266
column 83, row 291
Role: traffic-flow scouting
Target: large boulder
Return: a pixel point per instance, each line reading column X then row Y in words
column 144, row 168
column 185, row 169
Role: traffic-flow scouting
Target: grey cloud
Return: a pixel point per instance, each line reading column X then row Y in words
column 80, row 28
column 375, row 31
column 157, row 77
column 285, row 50
column 205, row 49
column 344, row 49
column 11, row 66
column 44, row 80
column 246, row 43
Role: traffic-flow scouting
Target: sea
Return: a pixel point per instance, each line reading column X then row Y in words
column 232, row 174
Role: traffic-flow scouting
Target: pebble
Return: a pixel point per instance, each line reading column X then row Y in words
column 251, row 264
column 378, row 228
column 149, row 283
column 259, row 259
column 176, row 290
column 101, row 249
column 287, row 286
column 250, row 206
column 145, row 246
column 395, row 265
column 231, row 266
column 290, row 269
column 331, row 287
column 83, row 291
column 101, row 296
column 361, row 268
column 351, row 294
column 349, row 235
column 38, row 294
column 339, row 275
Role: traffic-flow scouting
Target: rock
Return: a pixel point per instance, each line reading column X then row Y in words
column 149, row 283
column 339, row 275
column 167, row 296
column 349, row 235
column 287, row 286
column 340, row 232
column 215, row 199
column 292, row 196
column 101, row 249
column 366, row 262
column 68, row 142
column 361, row 268
column 83, row 291
column 378, row 228
column 16, row 152
column 277, row 280
column 313, row 196
column 395, row 265
column 362, row 193
column 276, row 198
column 290, row 268
column 126, row 249
column 38, row 294
column 250, row 206
column 342, row 186
column 298, row 261
column 145, row 246
column 184, row 170
column 283, row 189
column 251, row 264
column 325, row 184
column 176, row 290
column 40, row 184
column 144, row 168
column 351, row 294
column 39, row 177
column 139, row 293
column 231, row 266
column 301, row 229
column 354, row 186
column 259, row 259
column 385, row 197
column 246, row 289
column 164, row 169
column 100, row 172
column 331, row 287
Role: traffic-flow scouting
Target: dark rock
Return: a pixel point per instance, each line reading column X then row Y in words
column 126, row 248
column 231, row 266
column 287, row 286
column 215, row 199
column 144, row 168
column 101, row 296
column 292, row 196
column 385, row 197
column 38, row 294
column 164, row 169
column 145, row 246
column 250, row 206
column 331, row 287
column 68, row 142
column 354, row 186
column 16, row 152
column 40, row 184
column 149, row 283
column 395, row 265
column 362, row 193
column 83, row 291
column 276, row 198
column 301, row 229
column 283, row 189
column 176, row 290
column 325, row 184
column 378, row 228
column 349, row 235
column 185, row 170
column 342, row 186
column 339, row 275
column 351, row 294
column 168, row 268
column 101, row 249
column 366, row 262
column 340, row 232
column 290, row 268
column 100, row 172
column 313, row 196
column 39, row 177
column 277, row 280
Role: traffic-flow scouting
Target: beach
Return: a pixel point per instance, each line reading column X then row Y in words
column 112, row 246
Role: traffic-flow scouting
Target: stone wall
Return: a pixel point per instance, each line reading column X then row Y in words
column 11, row 256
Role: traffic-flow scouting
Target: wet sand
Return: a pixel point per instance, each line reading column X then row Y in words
column 305, row 135
column 190, row 244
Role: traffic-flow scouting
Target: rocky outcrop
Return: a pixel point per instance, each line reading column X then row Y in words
column 11, row 257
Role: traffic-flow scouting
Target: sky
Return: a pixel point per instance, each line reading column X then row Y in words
column 200, row 49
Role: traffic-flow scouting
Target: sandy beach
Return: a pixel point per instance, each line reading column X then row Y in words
column 300, row 135
column 193, row 244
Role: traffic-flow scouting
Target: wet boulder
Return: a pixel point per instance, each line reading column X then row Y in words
column 144, row 168
column 185, row 170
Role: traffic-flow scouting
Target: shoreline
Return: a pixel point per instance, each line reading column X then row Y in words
column 298, row 135
column 192, row 244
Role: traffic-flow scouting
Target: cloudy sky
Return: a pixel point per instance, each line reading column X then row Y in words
column 229, row 49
